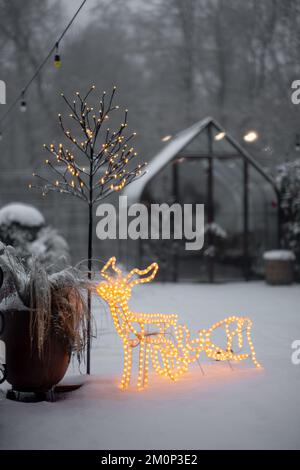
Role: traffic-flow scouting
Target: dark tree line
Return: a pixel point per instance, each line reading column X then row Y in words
column 173, row 61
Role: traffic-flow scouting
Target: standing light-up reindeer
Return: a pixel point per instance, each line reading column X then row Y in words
column 160, row 337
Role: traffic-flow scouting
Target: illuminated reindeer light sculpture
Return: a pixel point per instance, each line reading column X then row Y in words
column 160, row 337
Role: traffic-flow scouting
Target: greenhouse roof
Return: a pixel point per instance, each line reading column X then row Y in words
column 194, row 142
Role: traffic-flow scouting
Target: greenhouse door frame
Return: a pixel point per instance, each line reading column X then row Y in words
column 211, row 212
column 247, row 161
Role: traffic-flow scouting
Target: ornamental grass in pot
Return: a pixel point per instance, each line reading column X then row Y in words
column 45, row 322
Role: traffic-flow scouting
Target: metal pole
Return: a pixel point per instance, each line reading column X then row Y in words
column 89, row 299
column 175, row 191
column 140, row 252
column 279, row 220
column 210, row 202
column 90, row 265
column 246, row 219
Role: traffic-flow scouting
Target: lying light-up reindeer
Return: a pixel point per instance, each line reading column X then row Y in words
column 159, row 336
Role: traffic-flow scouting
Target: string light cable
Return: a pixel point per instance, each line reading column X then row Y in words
column 57, row 62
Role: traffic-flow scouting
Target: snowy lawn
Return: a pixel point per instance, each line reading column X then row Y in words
column 223, row 409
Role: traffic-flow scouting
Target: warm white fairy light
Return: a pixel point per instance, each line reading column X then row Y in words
column 115, row 153
column 169, row 346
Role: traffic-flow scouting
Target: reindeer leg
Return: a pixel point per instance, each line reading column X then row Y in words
column 155, row 361
column 127, row 366
column 146, row 367
column 140, row 380
column 167, row 368
column 253, row 354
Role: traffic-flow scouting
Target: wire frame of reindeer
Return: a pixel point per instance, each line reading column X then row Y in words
column 159, row 337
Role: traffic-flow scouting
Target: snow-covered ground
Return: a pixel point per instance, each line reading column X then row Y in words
column 223, row 409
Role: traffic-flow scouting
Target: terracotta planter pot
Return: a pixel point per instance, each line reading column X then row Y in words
column 26, row 371
column 279, row 272
column 279, row 267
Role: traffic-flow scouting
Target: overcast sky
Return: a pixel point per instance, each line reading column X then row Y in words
column 72, row 6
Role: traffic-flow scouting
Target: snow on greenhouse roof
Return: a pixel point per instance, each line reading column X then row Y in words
column 134, row 190
column 227, row 145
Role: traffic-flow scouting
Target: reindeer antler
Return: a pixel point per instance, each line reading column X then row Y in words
column 110, row 263
column 141, row 272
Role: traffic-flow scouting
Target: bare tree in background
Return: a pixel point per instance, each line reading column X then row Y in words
column 102, row 165
column 175, row 61
column 27, row 29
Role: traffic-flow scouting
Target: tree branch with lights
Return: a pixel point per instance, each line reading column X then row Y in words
column 97, row 162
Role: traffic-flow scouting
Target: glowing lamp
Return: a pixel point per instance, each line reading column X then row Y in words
column 250, row 137
column 220, row 136
column 159, row 337
column 166, row 138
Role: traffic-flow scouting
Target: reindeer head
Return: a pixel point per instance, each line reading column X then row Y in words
column 117, row 287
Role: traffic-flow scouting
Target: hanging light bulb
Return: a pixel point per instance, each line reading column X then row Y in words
column 23, row 105
column 57, row 60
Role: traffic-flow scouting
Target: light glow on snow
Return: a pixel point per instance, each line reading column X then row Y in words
column 260, row 407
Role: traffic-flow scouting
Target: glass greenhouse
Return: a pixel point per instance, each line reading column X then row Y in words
column 204, row 164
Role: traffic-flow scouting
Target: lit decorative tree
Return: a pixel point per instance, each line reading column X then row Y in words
column 103, row 162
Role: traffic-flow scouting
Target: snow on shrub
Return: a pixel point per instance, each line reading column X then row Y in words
column 50, row 248
column 23, row 227
column 22, row 214
column 279, row 255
